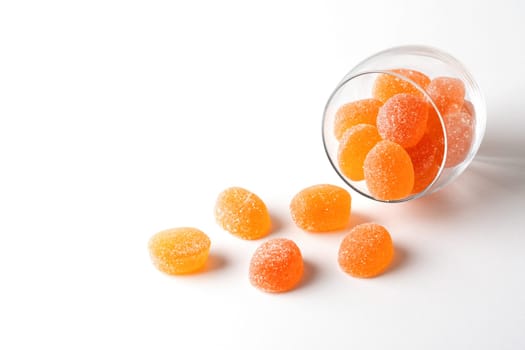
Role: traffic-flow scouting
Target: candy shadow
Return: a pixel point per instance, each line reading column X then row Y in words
column 401, row 258
column 496, row 175
column 216, row 261
column 310, row 274
column 277, row 222
column 358, row 219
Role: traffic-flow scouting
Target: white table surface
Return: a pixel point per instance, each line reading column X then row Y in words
column 122, row 118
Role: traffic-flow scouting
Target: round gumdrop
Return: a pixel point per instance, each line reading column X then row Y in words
column 353, row 113
column 353, row 148
column 386, row 85
column 366, row 251
column 447, row 93
column 460, row 133
column 179, row 250
column 403, row 119
column 276, row 266
column 389, row 173
column 426, row 161
column 242, row 213
column 321, row 208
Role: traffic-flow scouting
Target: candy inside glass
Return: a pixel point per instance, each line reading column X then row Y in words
column 358, row 84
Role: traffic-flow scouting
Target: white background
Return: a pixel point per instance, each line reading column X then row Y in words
column 122, row 118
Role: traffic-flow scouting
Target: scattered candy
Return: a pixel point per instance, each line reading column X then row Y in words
column 242, row 213
column 179, row 250
column 366, row 250
column 276, row 266
column 353, row 113
column 386, row 85
column 394, row 141
column 321, row 208
column 403, row 119
column 353, row 148
column 389, row 173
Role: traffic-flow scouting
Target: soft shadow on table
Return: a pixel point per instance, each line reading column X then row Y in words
column 278, row 221
column 216, row 261
column 310, row 274
column 496, row 176
column 358, row 218
column 401, row 258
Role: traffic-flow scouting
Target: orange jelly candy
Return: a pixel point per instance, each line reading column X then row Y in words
column 426, row 161
column 179, row 250
column 386, row 86
column 321, row 208
column 366, row 250
column 460, row 132
column 242, row 213
column 447, row 93
column 353, row 148
column 403, row 119
column 353, row 113
column 389, row 173
column 276, row 266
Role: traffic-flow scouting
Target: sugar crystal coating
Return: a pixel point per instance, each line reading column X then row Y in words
column 353, row 113
column 447, row 93
column 242, row 213
column 321, row 208
column 353, row 148
column 179, row 250
column 366, row 251
column 426, row 161
column 460, row 133
column 403, row 119
column 459, row 127
column 435, row 132
column 389, row 173
column 386, row 85
column 276, row 266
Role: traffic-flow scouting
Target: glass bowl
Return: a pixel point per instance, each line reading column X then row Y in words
column 359, row 82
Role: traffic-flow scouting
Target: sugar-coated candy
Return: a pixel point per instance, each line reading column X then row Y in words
column 403, row 119
column 276, row 266
column 459, row 128
column 389, row 173
column 460, row 133
column 386, row 85
column 426, row 161
column 353, row 113
column 242, row 213
column 179, row 250
column 353, row 148
column 447, row 93
column 321, row 208
column 366, row 251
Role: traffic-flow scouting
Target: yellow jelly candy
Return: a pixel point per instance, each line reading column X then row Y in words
column 179, row 250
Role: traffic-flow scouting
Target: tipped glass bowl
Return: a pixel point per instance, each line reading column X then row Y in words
column 358, row 84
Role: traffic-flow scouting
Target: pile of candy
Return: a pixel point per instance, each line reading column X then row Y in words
column 394, row 141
